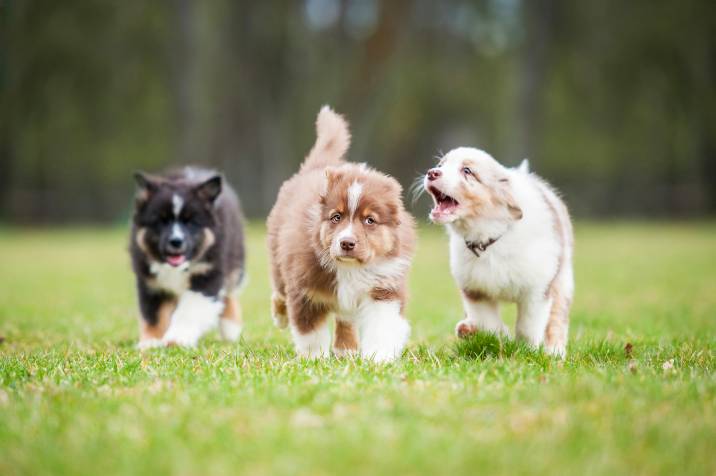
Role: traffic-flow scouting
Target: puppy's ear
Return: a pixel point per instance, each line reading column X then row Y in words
column 146, row 185
column 394, row 210
column 391, row 196
column 515, row 211
column 146, row 181
column 508, row 200
column 210, row 189
column 333, row 175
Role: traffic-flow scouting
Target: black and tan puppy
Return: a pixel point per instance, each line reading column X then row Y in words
column 187, row 248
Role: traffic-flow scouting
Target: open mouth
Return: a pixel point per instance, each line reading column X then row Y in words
column 175, row 260
column 445, row 205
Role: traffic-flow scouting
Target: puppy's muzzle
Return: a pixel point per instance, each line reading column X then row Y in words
column 434, row 174
column 348, row 244
column 176, row 246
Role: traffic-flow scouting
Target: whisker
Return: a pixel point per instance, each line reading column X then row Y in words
column 416, row 189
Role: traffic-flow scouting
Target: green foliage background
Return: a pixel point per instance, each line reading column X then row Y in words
column 612, row 101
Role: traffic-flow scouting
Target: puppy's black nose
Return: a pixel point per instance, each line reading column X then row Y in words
column 176, row 244
column 433, row 174
column 347, row 244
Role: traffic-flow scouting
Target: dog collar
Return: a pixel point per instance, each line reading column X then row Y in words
column 480, row 246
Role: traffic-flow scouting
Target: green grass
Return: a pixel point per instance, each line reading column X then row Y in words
column 76, row 398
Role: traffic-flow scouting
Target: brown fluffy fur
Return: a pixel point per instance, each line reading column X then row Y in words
column 301, row 232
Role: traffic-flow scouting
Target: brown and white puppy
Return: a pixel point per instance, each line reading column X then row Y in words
column 510, row 240
column 340, row 243
column 187, row 251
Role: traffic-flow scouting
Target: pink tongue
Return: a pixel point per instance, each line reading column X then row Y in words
column 175, row 260
column 446, row 206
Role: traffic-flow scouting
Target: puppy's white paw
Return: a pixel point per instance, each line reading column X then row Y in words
column 558, row 351
column 342, row 353
column 313, row 353
column 181, row 336
column 468, row 327
column 382, row 356
column 145, row 344
column 229, row 330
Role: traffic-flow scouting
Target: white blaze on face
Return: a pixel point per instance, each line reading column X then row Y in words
column 354, row 193
column 177, row 232
column 177, row 205
column 347, row 232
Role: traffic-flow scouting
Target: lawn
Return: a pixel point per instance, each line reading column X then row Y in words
column 636, row 394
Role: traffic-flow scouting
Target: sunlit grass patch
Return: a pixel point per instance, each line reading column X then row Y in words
column 636, row 392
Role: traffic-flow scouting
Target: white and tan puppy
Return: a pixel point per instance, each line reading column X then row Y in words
column 510, row 240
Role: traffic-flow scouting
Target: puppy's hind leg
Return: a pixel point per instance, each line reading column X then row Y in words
column 561, row 292
column 481, row 314
column 279, row 313
column 555, row 336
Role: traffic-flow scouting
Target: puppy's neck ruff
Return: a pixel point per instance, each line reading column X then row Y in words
column 354, row 283
column 481, row 230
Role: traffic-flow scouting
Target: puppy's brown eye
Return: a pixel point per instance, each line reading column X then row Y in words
column 336, row 217
column 369, row 221
column 466, row 171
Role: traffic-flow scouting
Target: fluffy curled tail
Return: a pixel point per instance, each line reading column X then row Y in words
column 332, row 140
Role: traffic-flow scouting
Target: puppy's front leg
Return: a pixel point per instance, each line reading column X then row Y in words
column 383, row 331
column 481, row 314
column 156, row 310
column 532, row 317
column 195, row 314
column 346, row 339
column 309, row 327
column 230, row 324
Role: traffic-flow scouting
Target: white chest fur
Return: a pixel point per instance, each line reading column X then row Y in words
column 354, row 283
column 352, row 287
column 523, row 260
column 175, row 279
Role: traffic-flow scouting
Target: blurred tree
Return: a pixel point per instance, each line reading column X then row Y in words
column 614, row 102
column 84, row 103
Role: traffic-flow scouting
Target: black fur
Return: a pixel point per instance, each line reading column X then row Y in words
column 207, row 203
